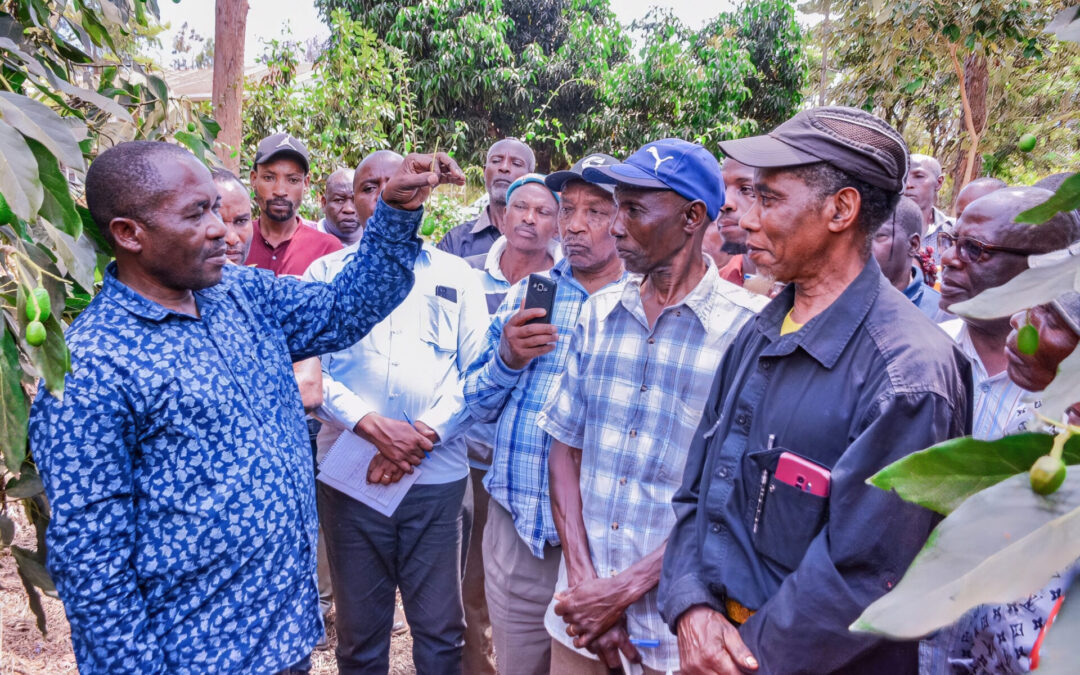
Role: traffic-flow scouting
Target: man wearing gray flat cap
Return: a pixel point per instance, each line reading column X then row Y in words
column 779, row 543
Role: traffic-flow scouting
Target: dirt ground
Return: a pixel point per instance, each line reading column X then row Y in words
column 25, row 651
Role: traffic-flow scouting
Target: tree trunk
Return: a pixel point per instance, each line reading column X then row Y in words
column 975, row 78
column 228, row 93
column 826, row 29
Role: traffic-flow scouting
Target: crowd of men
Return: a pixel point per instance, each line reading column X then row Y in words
column 663, row 473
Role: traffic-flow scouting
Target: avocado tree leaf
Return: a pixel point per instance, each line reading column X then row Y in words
column 57, row 206
column 19, row 180
column 38, row 121
column 941, row 477
column 1001, row 545
column 77, row 255
column 28, row 484
column 1036, row 285
column 7, row 529
column 28, row 571
column 15, row 414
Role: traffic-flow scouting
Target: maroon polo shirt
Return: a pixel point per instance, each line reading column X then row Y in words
column 293, row 255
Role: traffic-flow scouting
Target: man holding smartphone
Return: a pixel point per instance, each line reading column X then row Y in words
column 779, row 542
column 626, row 405
column 508, row 386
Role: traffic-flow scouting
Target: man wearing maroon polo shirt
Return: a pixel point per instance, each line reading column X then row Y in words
column 283, row 242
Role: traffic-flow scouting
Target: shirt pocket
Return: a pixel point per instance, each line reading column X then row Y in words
column 785, row 518
column 439, row 324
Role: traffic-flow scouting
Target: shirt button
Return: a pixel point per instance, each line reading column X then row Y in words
column 633, row 433
column 723, row 472
column 643, row 387
column 678, row 312
column 614, row 526
column 984, row 387
column 622, row 481
column 715, row 527
column 273, row 257
column 652, row 341
column 741, row 420
column 766, row 365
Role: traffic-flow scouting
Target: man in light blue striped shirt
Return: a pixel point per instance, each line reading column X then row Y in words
column 641, row 362
column 508, row 386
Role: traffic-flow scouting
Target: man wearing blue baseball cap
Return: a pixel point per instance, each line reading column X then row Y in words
column 637, row 375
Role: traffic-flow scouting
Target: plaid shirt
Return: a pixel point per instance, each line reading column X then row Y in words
column 631, row 398
column 513, row 399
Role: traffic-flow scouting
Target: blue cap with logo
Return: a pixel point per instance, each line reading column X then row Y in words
column 669, row 164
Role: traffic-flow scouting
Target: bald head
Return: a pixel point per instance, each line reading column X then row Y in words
column 924, row 179
column 993, row 217
column 980, row 187
column 370, row 179
column 907, row 218
column 340, row 177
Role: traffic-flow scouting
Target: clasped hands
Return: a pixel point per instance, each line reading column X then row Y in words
column 401, row 446
column 595, row 613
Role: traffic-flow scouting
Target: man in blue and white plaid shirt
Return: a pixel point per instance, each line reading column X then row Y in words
column 642, row 359
column 508, row 386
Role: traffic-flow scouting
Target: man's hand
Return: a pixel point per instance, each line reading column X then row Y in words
column 382, row 471
column 521, row 343
column 591, row 608
column 399, row 441
column 608, row 646
column 426, row 431
column 710, row 645
column 418, row 174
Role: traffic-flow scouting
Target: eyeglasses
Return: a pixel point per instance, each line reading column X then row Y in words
column 972, row 250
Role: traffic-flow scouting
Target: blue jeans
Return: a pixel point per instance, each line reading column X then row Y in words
column 418, row 550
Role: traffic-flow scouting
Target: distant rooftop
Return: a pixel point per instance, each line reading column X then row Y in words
column 197, row 84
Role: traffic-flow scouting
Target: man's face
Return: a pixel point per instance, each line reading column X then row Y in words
column 531, row 218
column 506, row 162
column 368, row 184
column 236, row 215
column 338, row 205
column 893, row 252
column 738, row 198
column 585, row 215
column 1035, row 372
column 787, row 226
column 183, row 241
column 986, row 221
column 649, row 227
column 923, row 182
column 279, row 188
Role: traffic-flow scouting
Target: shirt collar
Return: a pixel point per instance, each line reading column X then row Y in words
column 145, row 308
column 491, row 262
column 942, row 223
column 563, row 270
column 826, row 335
column 483, row 222
column 701, row 300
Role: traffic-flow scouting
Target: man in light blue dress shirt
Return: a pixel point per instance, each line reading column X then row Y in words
column 401, row 389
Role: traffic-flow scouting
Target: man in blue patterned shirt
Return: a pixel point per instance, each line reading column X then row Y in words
column 508, row 386
column 176, row 464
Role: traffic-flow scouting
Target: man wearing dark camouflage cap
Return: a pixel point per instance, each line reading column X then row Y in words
column 779, row 542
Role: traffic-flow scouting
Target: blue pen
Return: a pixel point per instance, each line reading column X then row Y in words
column 644, row 643
column 409, row 420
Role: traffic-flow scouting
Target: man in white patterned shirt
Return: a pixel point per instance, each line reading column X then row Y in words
column 639, row 369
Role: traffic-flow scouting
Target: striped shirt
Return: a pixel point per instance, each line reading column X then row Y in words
column 513, row 399
column 631, row 398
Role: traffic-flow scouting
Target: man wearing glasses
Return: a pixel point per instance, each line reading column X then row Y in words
column 987, row 249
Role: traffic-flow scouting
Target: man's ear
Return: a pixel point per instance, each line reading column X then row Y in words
column 127, row 234
column 697, row 216
column 914, row 244
column 844, row 206
column 307, row 181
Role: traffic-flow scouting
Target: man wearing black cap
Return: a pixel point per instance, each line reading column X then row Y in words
column 508, row 386
column 283, row 242
column 779, row 542
column 627, row 403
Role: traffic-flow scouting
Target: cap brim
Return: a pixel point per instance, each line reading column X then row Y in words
column 623, row 174
column 766, row 152
column 285, row 152
column 558, row 180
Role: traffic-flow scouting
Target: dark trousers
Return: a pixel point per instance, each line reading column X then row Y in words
column 418, row 550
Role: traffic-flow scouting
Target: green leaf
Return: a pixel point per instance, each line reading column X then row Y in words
column 193, row 143
column 28, row 484
column 160, row 89
column 1066, row 198
column 30, row 566
column 32, row 570
column 1034, row 286
column 1001, row 545
column 77, row 255
column 57, row 206
column 38, row 121
column 941, row 477
column 1057, row 655
column 15, row 414
column 19, row 180
column 91, row 230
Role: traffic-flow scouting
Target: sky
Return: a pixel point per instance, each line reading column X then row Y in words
column 303, row 19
